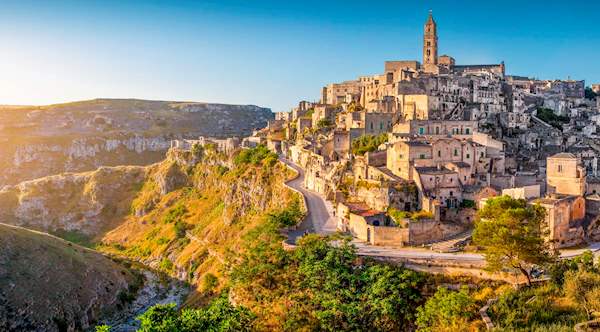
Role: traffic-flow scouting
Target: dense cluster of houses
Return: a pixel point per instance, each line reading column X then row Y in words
column 408, row 156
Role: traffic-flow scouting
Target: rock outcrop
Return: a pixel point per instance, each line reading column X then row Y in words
column 82, row 136
column 87, row 203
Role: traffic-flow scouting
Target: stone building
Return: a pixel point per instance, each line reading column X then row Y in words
column 430, row 46
column 565, row 175
column 564, row 203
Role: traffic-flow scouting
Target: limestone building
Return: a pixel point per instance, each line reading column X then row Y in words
column 565, row 175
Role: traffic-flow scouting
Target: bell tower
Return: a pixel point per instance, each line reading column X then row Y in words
column 430, row 45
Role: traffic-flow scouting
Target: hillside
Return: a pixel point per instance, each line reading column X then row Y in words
column 37, row 141
column 73, row 205
column 194, row 230
column 49, row 284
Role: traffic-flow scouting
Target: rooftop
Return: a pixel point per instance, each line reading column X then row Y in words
column 433, row 170
column 563, row 155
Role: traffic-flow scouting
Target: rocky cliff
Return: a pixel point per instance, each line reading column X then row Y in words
column 185, row 216
column 86, row 203
column 82, row 136
column 194, row 226
column 47, row 284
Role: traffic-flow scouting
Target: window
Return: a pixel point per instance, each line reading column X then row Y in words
column 422, row 156
column 468, row 156
column 380, row 125
column 421, row 130
column 455, row 152
column 437, row 129
column 560, row 168
column 371, row 125
column 440, row 153
column 467, row 131
column 481, row 155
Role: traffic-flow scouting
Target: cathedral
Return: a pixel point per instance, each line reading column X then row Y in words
column 445, row 64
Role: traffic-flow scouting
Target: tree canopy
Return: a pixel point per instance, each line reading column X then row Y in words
column 446, row 311
column 511, row 232
column 220, row 315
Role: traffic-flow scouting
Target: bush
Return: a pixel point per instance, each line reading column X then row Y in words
column 254, row 155
column 533, row 306
column 446, row 311
column 547, row 115
column 287, row 217
column 197, row 151
column 209, row 282
column 367, row 143
column 220, row 315
column 180, row 229
column 175, row 214
column 323, row 123
column 166, row 265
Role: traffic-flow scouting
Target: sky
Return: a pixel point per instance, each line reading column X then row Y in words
column 271, row 53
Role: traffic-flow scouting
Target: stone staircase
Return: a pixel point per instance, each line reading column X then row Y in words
column 456, row 243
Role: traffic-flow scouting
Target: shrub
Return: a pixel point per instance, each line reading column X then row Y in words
column 180, row 229
column 446, row 311
column 367, row 143
column 166, row 265
column 209, row 282
column 547, row 115
column 254, row 155
column 324, row 123
column 220, row 315
column 175, row 214
column 287, row 217
column 533, row 306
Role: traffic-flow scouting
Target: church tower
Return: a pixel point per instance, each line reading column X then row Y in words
column 430, row 45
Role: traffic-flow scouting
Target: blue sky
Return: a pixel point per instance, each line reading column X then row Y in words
column 271, row 53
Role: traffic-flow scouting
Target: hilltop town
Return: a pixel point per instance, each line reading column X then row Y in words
column 407, row 157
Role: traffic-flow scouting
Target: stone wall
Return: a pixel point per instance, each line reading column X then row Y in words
column 428, row 231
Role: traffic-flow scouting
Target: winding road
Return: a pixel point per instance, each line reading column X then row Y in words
column 321, row 220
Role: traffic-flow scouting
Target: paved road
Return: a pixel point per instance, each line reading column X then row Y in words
column 320, row 218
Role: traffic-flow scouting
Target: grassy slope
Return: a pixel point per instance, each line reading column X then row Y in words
column 216, row 210
column 48, row 282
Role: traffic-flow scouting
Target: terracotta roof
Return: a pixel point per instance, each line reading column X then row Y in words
column 362, row 209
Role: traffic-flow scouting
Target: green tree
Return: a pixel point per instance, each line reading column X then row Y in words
column 390, row 295
column 511, row 232
column 446, row 311
column 103, row 328
column 220, row 316
column 160, row 318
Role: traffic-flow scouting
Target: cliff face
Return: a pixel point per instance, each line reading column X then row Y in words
column 82, row 136
column 195, row 229
column 52, row 285
column 87, row 203
column 185, row 216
